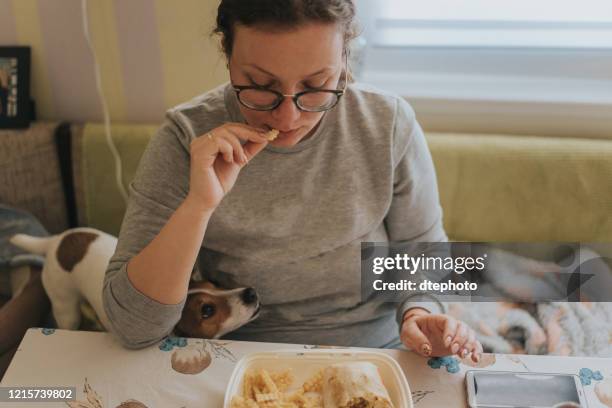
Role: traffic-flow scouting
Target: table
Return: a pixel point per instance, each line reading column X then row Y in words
column 48, row 357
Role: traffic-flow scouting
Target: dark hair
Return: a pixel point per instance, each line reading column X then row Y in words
column 283, row 15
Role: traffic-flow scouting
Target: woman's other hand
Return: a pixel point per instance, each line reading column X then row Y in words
column 216, row 160
column 438, row 335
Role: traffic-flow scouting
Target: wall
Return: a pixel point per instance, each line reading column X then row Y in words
column 153, row 55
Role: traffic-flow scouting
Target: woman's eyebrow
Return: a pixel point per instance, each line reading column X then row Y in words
column 274, row 76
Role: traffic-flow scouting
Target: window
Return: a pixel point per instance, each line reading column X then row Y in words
column 496, row 23
column 517, row 62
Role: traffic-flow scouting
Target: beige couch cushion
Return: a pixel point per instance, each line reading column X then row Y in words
column 30, row 177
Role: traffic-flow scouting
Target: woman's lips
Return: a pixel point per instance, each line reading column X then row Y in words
column 288, row 133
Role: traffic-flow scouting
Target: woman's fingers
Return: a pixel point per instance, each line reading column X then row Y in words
column 226, row 141
column 216, row 159
column 225, row 148
column 249, row 127
column 459, row 338
column 256, row 140
column 245, row 132
column 450, row 328
column 469, row 344
column 414, row 338
column 238, row 151
column 252, row 149
column 456, row 336
column 477, row 352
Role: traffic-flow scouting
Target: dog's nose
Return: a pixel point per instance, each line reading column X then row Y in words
column 249, row 296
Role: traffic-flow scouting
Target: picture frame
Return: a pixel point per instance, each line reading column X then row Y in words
column 15, row 103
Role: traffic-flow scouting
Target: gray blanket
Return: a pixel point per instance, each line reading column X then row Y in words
column 14, row 221
column 520, row 325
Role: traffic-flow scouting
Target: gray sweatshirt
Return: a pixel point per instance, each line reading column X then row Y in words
column 292, row 225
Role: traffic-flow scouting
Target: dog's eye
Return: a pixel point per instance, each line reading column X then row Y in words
column 208, row 311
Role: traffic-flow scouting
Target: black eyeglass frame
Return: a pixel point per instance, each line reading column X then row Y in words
column 295, row 97
column 281, row 96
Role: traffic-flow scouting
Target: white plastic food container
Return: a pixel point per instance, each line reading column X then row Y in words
column 305, row 363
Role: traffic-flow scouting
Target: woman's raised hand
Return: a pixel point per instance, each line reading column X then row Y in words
column 216, row 160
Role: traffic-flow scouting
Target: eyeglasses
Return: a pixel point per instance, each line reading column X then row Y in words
column 315, row 100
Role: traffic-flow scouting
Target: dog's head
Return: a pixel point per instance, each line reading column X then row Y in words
column 210, row 312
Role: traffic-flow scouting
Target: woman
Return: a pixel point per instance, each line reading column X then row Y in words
column 349, row 165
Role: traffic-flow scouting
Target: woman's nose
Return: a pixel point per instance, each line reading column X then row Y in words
column 286, row 114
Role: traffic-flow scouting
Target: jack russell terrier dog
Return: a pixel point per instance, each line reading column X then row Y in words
column 75, row 265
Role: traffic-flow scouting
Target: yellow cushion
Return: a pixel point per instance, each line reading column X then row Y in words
column 524, row 188
column 103, row 205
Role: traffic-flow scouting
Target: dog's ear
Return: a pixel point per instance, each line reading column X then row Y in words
column 193, row 284
column 208, row 285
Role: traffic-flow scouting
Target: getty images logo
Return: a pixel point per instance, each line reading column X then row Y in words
column 426, row 263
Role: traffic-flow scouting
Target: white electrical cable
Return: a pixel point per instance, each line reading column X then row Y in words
column 107, row 130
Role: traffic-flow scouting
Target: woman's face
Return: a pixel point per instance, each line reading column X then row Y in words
column 289, row 62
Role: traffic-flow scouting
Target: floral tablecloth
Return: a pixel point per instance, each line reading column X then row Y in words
column 190, row 373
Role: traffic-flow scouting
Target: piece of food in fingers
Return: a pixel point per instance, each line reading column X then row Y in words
column 271, row 135
column 354, row 385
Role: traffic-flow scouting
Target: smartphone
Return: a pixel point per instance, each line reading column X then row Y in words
column 506, row 389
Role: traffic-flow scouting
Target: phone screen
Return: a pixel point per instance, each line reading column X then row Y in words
column 495, row 389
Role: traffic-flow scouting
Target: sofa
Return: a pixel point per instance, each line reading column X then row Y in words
column 501, row 188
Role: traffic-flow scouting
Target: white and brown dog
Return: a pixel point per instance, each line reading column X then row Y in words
column 75, row 265
column 211, row 312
